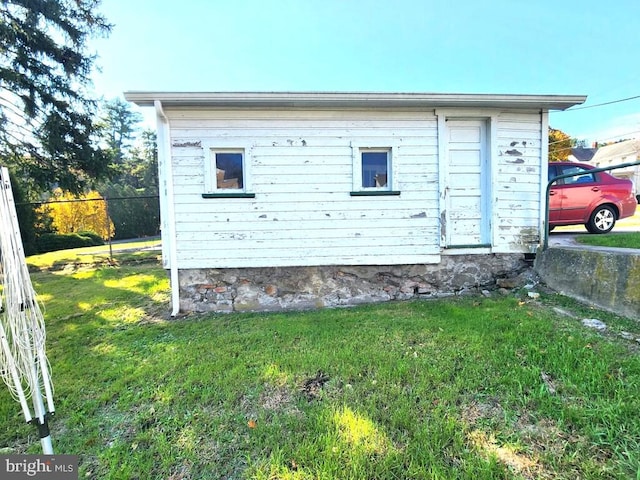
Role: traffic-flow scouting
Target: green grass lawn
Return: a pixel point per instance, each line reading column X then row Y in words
column 618, row 240
column 488, row 388
column 131, row 251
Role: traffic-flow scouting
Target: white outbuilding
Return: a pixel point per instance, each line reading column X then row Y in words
column 300, row 200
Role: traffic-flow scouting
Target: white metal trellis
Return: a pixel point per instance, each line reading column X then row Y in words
column 23, row 363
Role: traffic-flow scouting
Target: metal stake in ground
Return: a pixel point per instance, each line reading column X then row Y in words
column 23, row 363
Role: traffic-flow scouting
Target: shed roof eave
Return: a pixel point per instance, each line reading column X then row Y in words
column 351, row 100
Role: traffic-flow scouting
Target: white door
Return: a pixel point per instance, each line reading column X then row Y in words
column 467, row 218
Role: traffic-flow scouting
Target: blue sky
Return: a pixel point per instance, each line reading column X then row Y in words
column 453, row 46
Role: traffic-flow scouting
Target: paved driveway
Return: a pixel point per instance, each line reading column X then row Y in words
column 565, row 236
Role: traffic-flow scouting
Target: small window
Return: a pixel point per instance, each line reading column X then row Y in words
column 226, row 173
column 581, row 175
column 229, row 170
column 375, row 169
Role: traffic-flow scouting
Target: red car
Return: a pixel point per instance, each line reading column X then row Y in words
column 596, row 200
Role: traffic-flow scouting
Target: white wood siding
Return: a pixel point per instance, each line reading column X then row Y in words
column 301, row 173
column 517, row 188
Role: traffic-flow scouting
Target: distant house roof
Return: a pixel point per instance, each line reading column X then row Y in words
column 582, row 154
column 351, row 100
column 616, row 153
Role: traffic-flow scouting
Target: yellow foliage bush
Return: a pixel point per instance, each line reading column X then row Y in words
column 87, row 212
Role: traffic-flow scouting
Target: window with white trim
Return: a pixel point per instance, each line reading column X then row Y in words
column 372, row 171
column 227, row 173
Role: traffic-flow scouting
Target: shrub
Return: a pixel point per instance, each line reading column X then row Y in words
column 50, row 242
column 97, row 239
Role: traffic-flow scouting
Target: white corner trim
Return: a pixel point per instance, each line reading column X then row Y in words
column 164, row 153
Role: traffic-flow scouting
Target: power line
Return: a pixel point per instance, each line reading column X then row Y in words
column 598, row 141
column 568, row 139
column 621, row 135
column 571, row 148
column 601, row 104
column 76, row 200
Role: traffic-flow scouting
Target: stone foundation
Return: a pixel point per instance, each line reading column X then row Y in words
column 301, row 288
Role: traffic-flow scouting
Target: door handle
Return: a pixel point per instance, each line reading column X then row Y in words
column 595, row 189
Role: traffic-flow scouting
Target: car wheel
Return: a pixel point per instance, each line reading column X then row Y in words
column 602, row 220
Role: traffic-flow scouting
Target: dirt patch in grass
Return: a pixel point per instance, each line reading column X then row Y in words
column 540, row 442
column 475, row 412
column 544, row 435
column 278, row 399
column 517, row 462
column 538, row 439
column 156, row 312
column 312, row 387
column 182, row 472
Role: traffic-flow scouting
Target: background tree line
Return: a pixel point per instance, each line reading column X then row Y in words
column 123, row 204
column 61, row 144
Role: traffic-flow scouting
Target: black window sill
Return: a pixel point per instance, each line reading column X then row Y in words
column 375, row 193
column 229, row 195
column 477, row 245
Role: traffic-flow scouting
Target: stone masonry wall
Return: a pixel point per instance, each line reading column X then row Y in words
column 300, row 288
column 606, row 277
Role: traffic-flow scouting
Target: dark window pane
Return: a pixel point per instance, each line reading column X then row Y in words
column 581, row 175
column 374, row 169
column 229, row 170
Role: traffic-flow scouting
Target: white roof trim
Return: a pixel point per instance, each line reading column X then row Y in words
column 351, row 100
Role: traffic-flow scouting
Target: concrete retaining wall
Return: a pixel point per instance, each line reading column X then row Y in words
column 608, row 278
column 298, row 288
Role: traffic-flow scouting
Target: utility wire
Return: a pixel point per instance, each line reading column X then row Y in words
column 599, row 141
column 76, row 200
column 571, row 148
column 600, row 104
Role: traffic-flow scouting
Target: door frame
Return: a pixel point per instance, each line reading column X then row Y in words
column 490, row 118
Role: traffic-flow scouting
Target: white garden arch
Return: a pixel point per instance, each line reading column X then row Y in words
column 23, row 363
